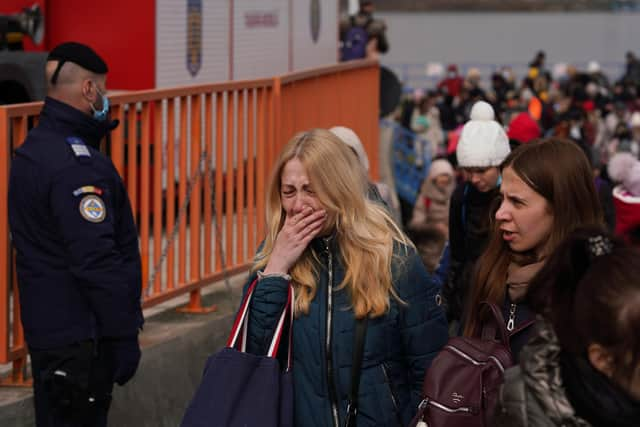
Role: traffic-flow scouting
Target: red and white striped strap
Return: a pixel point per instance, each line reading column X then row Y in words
column 277, row 335
column 239, row 329
column 241, row 317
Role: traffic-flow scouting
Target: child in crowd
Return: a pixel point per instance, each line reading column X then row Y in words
column 432, row 206
column 429, row 225
column 624, row 168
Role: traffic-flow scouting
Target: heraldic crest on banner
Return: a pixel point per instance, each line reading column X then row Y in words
column 194, row 36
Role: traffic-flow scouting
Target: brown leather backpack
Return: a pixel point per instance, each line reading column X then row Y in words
column 462, row 384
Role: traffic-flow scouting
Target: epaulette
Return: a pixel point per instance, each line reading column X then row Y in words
column 79, row 148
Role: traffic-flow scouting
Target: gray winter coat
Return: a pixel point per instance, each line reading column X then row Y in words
column 533, row 394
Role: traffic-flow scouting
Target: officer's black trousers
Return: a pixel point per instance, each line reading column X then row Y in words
column 72, row 385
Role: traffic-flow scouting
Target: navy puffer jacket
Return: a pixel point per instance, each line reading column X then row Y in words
column 398, row 347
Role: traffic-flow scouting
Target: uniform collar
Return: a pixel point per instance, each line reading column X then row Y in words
column 72, row 122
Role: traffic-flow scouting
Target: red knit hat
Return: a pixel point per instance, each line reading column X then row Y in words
column 523, row 128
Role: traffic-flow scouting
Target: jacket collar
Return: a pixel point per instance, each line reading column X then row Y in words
column 320, row 244
column 72, row 122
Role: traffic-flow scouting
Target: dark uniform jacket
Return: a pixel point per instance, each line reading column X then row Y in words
column 399, row 346
column 78, row 261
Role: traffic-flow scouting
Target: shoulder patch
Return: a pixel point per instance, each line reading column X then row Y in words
column 92, row 209
column 78, row 146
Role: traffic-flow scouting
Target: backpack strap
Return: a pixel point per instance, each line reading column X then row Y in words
column 495, row 326
column 356, row 368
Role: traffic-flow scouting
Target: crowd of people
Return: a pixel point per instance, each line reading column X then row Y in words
column 530, row 204
column 601, row 116
column 525, row 235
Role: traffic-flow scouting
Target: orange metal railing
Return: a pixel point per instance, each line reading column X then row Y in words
column 195, row 161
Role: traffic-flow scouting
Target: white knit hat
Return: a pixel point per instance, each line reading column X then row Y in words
column 350, row 138
column 482, row 142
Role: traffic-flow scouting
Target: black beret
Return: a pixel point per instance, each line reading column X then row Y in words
column 77, row 53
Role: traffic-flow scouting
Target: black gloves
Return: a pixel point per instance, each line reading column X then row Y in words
column 125, row 353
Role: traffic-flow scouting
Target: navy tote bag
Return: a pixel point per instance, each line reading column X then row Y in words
column 239, row 389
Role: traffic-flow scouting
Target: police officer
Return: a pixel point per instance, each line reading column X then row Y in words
column 78, row 261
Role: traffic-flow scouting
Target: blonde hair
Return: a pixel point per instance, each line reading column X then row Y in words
column 365, row 233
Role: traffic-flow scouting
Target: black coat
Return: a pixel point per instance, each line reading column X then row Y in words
column 78, row 262
column 469, row 217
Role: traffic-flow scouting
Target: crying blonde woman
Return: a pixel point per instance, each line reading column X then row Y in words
column 346, row 260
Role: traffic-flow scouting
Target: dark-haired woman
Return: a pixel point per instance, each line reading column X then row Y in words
column 582, row 368
column 547, row 191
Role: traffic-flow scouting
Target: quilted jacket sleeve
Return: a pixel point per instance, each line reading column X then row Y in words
column 269, row 299
column 511, row 410
column 423, row 324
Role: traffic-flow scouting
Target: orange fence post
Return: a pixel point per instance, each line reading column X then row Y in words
column 261, row 154
column 240, row 161
column 251, row 143
column 196, row 187
column 132, row 160
column 218, row 181
column 208, row 140
column 157, row 194
column 117, row 140
column 171, row 190
column 275, row 124
column 5, row 277
column 182, row 194
column 145, row 173
column 229, row 171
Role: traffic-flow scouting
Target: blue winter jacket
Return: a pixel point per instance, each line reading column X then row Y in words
column 399, row 346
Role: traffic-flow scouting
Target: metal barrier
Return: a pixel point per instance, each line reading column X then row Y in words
column 196, row 161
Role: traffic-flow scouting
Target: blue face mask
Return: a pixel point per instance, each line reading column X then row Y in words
column 101, row 115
